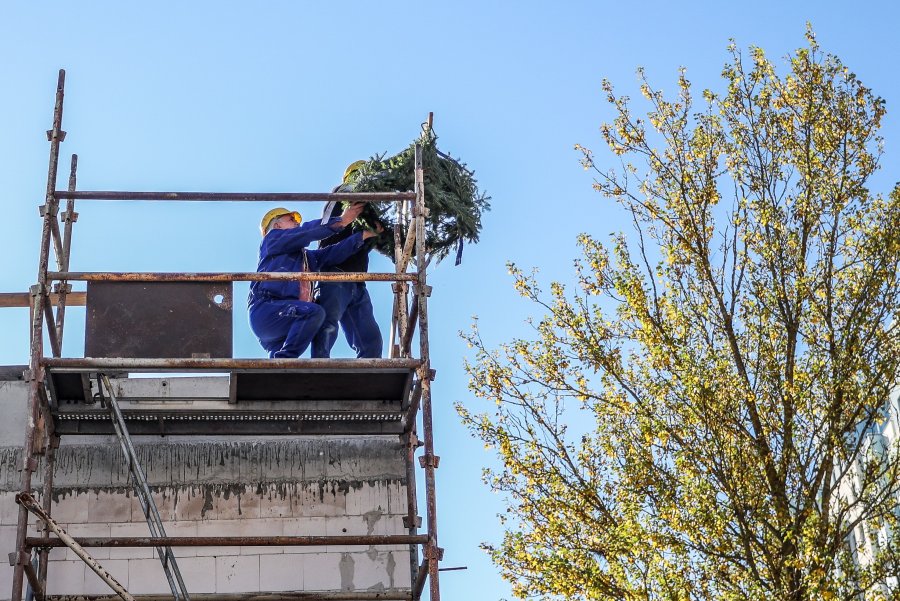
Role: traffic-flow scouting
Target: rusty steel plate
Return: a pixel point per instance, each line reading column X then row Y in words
column 159, row 320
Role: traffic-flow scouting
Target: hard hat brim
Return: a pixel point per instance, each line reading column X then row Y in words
column 277, row 213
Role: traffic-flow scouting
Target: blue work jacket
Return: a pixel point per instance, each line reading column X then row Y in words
column 284, row 251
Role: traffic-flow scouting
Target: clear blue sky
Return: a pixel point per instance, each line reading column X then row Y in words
column 280, row 96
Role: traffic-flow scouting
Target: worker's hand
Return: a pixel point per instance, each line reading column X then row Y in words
column 379, row 229
column 351, row 213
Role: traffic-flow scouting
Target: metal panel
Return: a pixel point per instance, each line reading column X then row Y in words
column 159, row 319
column 341, row 385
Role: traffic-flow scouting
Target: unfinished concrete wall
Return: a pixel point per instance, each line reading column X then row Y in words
column 218, row 487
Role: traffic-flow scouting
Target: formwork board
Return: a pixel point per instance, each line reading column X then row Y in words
column 159, row 319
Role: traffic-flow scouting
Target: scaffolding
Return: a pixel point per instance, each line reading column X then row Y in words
column 53, row 378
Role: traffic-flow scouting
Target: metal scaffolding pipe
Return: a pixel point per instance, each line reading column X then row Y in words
column 236, row 196
column 412, row 519
column 55, row 346
column 27, row 502
column 47, row 505
column 251, row 276
column 55, row 136
column 36, row 588
column 419, row 584
column 429, row 461
column 232, row 541
column 70, row 217
column 280, row 365
column 142, row 492
column 409, row 418
column 386, row 595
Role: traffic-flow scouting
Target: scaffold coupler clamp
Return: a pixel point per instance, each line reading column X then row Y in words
column 429, row 461
column 432, row 551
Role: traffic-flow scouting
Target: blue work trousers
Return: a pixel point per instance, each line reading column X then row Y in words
column 285, row 327
column 347, row 304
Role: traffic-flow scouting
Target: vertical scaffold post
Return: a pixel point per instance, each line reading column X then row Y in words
column 50, row 455
column 399, row 315
column 47, row 501
column 412, row 520
column 429, row 461
column 35, row 370
column 69, row 217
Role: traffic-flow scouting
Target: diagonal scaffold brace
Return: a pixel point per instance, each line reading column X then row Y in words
column 27, row 501
column 142, row 490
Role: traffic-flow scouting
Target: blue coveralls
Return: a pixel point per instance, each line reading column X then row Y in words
column 282, row 322
column 347, row 303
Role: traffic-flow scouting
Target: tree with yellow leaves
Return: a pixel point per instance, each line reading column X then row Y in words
column 694, row 419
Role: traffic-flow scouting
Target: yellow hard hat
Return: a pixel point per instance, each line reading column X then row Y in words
column 351, row 169
column 274, row 214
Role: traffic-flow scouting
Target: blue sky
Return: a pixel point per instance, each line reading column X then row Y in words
column 281, row 96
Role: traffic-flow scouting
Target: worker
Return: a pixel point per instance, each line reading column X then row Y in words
column 282, row 314
column 347, row 303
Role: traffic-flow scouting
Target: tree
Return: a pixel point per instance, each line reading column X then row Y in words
column 731, row 358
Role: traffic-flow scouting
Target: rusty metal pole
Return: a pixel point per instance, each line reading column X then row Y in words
column 396, row 288
column 124, row 542
column 419, row 581
column 237, row 196
column 27, row 502
column 35, row 371
column 411, row 520
column 251, row 276
column 213, row 364
column 429, row 460
column 55, row 346
column 403, row 292
column 46, row 504
column 69, row 217
column 62, row 262
column 406, row 343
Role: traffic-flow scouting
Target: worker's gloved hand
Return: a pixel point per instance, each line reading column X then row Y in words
column 379, row 229
column 351, row 213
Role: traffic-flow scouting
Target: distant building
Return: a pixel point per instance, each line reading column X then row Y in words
column 880, row 439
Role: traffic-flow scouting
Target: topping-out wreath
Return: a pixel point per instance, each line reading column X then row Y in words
column 452, row 197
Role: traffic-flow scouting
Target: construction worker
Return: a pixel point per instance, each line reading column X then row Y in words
column 282, row 314
column 347, row 303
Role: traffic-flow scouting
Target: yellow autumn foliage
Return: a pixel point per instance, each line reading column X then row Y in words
column 686, row 421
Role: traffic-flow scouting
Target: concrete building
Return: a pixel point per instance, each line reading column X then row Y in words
column 218, row 486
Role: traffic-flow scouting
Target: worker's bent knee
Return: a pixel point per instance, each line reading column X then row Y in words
column 302, row 310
